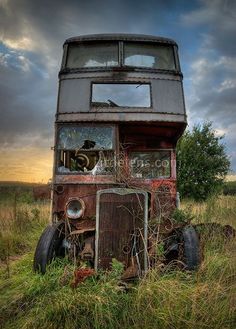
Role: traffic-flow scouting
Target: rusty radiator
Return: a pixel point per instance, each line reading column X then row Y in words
column 121, row 228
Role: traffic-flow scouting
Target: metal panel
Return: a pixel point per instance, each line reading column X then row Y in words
column 121, row 117
column 85, row 192
column 120, row 74
column 167, row 96
column 121, row 228
column 120, row 37
column 74, row 95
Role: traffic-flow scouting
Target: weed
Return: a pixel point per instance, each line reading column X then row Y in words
column 182, row 215
column 162, row 299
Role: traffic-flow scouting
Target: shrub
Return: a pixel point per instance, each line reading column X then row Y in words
column 202, row 163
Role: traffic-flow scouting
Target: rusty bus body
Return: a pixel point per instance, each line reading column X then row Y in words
column 119, row 116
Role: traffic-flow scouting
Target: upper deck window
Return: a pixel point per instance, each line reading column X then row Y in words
column 149, row 55
column 120, row 95
column 102, row 54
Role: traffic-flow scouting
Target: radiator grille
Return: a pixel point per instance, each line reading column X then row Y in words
column 121, row 227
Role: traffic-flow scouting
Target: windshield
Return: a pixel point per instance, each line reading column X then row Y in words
column 101, row 54
column 149, row 55
column 85, row 150
column 106, row 54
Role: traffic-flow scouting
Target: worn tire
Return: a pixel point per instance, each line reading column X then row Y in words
column 191, row 248
column 49, row 246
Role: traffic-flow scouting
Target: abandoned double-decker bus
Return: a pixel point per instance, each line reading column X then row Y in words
column 119, row 116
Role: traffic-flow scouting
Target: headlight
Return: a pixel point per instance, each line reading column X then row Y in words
column 75, row 208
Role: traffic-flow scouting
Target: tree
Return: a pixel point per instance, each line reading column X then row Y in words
column 202, row 163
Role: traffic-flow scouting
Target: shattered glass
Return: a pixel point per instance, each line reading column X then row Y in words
column 96, row 138
column 85, row 150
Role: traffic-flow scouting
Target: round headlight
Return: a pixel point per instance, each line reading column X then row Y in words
column 75, row 208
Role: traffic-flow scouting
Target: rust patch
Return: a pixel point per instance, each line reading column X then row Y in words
column 84, row 226
column 88, row 251
column 85, row 192
column 80, row 275
column 132, row 271
column 121, row 224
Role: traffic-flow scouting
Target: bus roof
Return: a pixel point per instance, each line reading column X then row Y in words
column 120, row 37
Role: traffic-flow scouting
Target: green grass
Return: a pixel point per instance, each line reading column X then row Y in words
column 205, row 299
column 229, row 188
column 21, row 220
column 163, row 299
column 221, row 210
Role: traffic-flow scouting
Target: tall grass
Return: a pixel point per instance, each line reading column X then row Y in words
column 205, row 299
column 165, row 298
column 220, row 209
column 21, row 221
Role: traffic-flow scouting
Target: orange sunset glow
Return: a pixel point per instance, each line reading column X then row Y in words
column 26, row 165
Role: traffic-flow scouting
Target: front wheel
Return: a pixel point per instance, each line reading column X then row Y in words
column 191, row 248
column 50, row 245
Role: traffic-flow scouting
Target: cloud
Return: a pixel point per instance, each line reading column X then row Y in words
column 218, row 18
column 213, row 97
column 32, row 34
column 211, row 78
column 27, row 105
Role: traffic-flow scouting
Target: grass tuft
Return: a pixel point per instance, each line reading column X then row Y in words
column 162, row 299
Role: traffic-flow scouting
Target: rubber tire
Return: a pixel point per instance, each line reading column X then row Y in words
column 49, row 246
column 191, row 248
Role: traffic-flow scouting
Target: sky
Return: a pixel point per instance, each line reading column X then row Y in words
column 31, row 38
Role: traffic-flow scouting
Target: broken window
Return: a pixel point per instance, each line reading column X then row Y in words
column 86, row 149
column 120, row 95
column 156, row 164
column 102, row 54
column 149, row 55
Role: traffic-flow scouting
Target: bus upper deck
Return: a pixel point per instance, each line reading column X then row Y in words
column 121, row 78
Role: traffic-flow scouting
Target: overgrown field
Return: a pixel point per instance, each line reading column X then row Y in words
column 165, row 298
column 229, row 188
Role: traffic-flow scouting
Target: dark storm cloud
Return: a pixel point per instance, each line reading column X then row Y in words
column 218, row 19
column 27, row 105
column 212, row 73
column 33, row 32
column 48, row 23
column 214, row 86
column 36, row 30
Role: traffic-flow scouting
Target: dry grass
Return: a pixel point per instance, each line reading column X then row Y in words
column 221, row 210
column 21, row 221
column 163, row 299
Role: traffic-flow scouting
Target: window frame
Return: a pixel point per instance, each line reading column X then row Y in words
column 120, row 57
column 92, row 67
column 83, row 174
column 148, row 44
column 117, row 108
column 151, row 151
